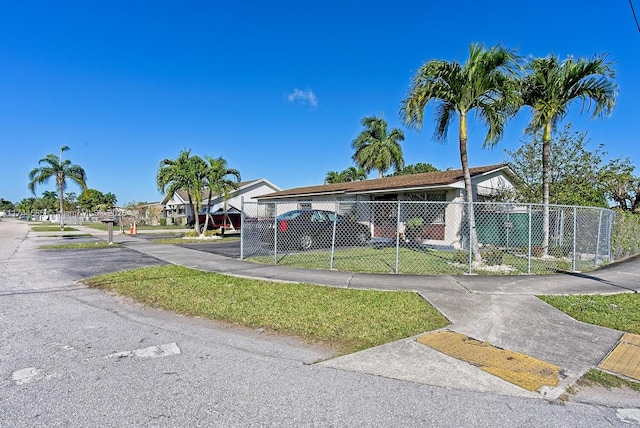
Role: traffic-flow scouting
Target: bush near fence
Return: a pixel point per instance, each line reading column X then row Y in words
column 626, row 235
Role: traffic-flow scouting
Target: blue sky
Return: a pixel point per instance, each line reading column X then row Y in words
column 276, row 88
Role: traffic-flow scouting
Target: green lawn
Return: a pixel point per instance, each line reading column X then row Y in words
column 617, row 311
column 52, row 228
column 347, row 320
column 411, row 261
column 79, row 246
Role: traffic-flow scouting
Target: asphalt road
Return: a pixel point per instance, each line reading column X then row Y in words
column 73, row 356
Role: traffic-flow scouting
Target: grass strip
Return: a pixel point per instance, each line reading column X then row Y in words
column 345, row 319
column 64, row 235
column 194, row 240
column 607, row 380
column 79, row 246
column 104, row 226
column 52, row 229
column 617, row 311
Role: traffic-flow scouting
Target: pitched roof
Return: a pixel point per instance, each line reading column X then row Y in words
column 400, row 182
column 182, row 194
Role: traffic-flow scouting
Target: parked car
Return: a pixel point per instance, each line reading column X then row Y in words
column 225, row 222
column 311, row 228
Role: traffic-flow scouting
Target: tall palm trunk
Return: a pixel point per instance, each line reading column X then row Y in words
column 206, row 217
column 473, row 236
column 196, row 219
column 61, row 198
column 546, row 154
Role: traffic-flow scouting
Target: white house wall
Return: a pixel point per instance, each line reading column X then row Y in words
column 492, row 184
column 249, row 193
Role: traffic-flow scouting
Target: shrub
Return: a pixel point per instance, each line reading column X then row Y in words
column 461, row 257
column 493, row 256
column 626, row 234
column 561, row 251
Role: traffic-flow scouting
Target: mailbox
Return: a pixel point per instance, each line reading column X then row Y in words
column 109, row 221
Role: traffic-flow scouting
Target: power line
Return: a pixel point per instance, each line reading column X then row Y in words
column 634, row 14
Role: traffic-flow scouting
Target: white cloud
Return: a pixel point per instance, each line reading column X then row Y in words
column 303, row 97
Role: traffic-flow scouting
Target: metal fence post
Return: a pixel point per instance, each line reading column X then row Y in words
column 397, row 266
column 575, row 234
column 470, row 258
column 275, row 233
column 242, row 224
column 529, row 246
column 333, row 238
column 595, row 261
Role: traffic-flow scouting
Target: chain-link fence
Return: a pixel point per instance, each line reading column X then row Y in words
column 427, row 237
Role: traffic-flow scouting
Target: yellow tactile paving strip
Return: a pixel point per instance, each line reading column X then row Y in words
column 625, row 357
column 520, row 369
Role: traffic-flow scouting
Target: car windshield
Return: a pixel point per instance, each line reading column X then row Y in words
column 290, row 215
column 312, row 215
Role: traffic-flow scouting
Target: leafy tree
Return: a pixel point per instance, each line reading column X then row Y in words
column 93, row 200
column 220, row 180
column 574, row 170
column 48, row 201
column 6, row 205
column 417, row 168
column 350, row 174
column 621, row 185
column 110, row 200
column 376, row 148
column 70, row 201
column 549, row 88
column 26, row 205
column 185, row 173
column 483, row 84
column 61, row 170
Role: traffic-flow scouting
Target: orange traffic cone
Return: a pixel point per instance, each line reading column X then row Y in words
column 132, row 230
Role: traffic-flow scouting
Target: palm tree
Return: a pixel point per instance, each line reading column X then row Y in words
column 350, row 174
column 61, row 171
column 220, row 180
column 26, row 205
column 334, row 177
column 185, row 173
column 549, row 88
column 483, row 84
column 354, row 174
column 377, row 149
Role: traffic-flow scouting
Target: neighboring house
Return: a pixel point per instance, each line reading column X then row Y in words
column 443, row 189
column 177, row 211
column 143, row 213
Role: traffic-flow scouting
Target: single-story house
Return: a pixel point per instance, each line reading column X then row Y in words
column 177, row 210
column 442, row 220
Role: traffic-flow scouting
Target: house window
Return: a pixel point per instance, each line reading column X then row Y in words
column 304, row 205
column 430, row 212
column 346, row 205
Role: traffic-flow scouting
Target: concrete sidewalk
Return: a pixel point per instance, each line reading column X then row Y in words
column 500, row 310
